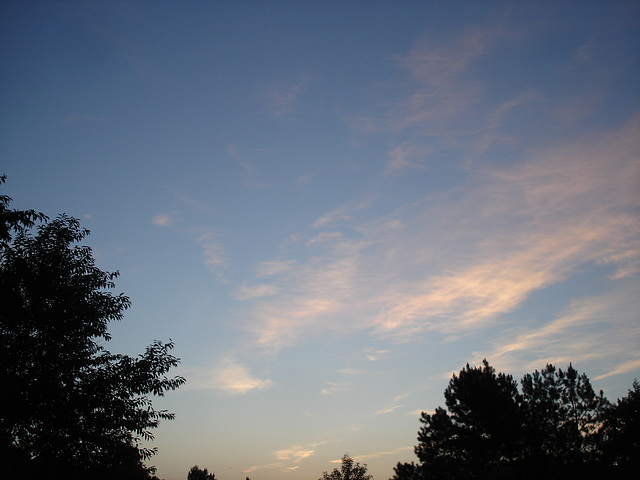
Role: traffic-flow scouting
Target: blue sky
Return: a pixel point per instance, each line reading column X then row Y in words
column 332, row 206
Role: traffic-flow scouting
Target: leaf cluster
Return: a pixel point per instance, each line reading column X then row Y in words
column 12, row 220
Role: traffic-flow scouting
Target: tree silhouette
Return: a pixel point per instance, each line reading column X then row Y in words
column 563, row 416
column 558, row 427
column 479, row 429
column 196, row 473
column 67, row 404
column 622, row 434
column 348, row 471
column 15, row 220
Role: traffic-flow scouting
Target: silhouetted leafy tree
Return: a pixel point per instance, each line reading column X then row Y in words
column 348, row 471
column 67, row 405
column 196, row 473
column 14, row 220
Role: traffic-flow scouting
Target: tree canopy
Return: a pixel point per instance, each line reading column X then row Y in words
column 197, row 473
column 348, row 471
column 621, row 431
column 12, row 220
column 555, row 427
column 67, row 404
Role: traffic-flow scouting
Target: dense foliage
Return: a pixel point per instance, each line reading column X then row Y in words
column 555, row 427
column 621, row 431
column 67, row 405
column 197, row 473
column 348, row 471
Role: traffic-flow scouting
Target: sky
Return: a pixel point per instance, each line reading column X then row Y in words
column 331, row 207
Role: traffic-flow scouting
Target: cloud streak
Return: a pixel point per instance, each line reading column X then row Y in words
column 229, row 376
column 214, row 253
column 281, row 100
column 457, row 264
column 443, row 97
column 384, row 411
column 288, row 459
column 591, row 330
column 296, row 453
column 236, row 379
column 162, row 220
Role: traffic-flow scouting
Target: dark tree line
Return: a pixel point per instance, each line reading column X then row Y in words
column 555, row 426
column 69, row 408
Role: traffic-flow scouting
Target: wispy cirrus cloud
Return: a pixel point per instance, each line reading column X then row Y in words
column 275, row 267
column 288, row 459
column 308, row 293
column 408, row 155
column 297, row 453
column 624, row 367
column 229, row 376
column 595, row 330
column 437, row 64
column 248, row 159
column 281, row 100
column 492, row 133
column 451, row 103
column 559, row 209
column 375, row 354
column 384, row 411
column 447, row 107
column 163, row 220
column 456, row 265
column 343, row 213
column 256, row 291
column 443, row 92
column 213, row 250
column 332, row 388
column 214, row 253
column 342, row 385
